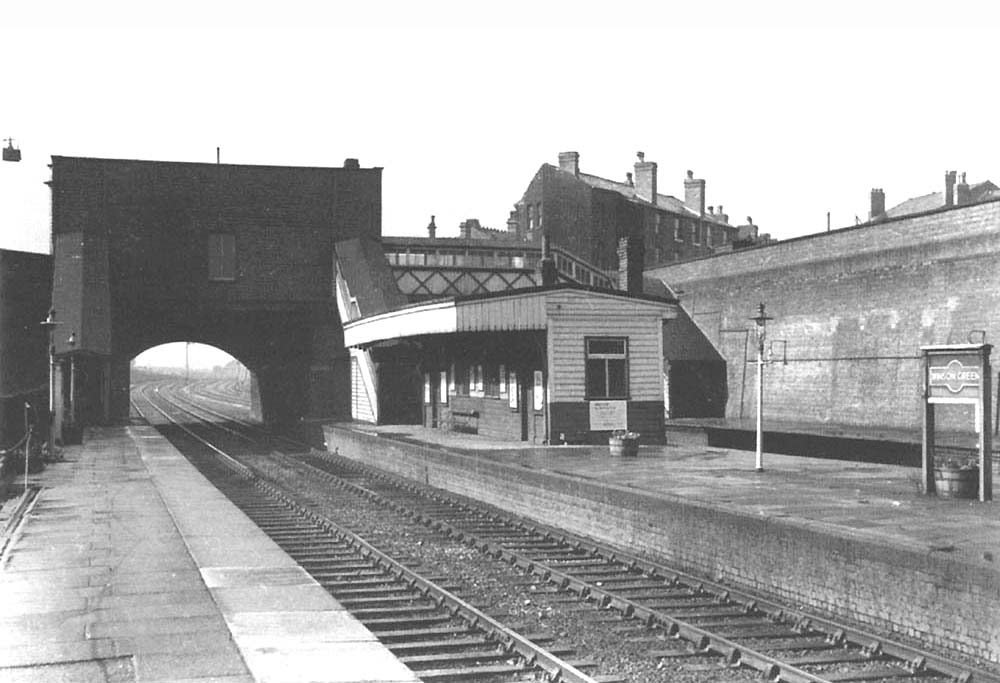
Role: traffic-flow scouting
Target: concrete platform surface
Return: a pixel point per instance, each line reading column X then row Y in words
column 882, row 503
column 130, row 566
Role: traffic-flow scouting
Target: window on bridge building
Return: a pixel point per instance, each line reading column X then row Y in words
column 222, row 257
column 607, row 367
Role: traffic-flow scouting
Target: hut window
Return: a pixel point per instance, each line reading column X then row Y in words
column 607, row 367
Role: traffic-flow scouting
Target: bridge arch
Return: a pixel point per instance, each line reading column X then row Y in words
column 236, row 257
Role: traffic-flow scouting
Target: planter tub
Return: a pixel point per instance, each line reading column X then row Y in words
column 624, row 447
column 957, row 483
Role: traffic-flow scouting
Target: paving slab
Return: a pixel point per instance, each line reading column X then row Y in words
column 131, row 567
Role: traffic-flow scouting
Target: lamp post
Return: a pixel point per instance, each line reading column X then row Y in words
column 761, row 320
column 49, row 325
column 71, row 343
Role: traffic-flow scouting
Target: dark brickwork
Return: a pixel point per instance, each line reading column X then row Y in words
column 572, row 419
column 589, row 221
column 25, row 288
column 853, row 308
column 939, row 600
column 132, row 269
column 491, row 417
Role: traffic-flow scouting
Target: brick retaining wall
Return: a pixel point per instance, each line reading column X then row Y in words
column 942, row 600
column 851, row 309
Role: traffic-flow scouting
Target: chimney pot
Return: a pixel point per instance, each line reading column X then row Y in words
column 570, row 162
column 432, row 229
column 645, row 180
column 628, row 179
column 963, row 195
column 949, row 188
column 641, row 155
column 877, row 204
column 351, row 164
column 694, row 194
column 711, row 210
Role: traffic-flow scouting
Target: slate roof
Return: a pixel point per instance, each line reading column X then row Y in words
column 979, row 192
column 370, row 280
column 663, row 201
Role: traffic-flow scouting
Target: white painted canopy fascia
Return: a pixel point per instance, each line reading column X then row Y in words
column 436, row 318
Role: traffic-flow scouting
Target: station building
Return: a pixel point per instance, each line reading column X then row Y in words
column 558, row 362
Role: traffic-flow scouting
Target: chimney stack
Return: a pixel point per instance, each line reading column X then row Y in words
column 547, row 264
column 432, row 229
column 949, row 188
column 694, row 193
column 963, row 195
column 878, row 204
column 512, row 223
column 645, row 179
column 570, row 162
column 630, row 260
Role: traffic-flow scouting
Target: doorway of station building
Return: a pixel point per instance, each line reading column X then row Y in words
column 206, row 374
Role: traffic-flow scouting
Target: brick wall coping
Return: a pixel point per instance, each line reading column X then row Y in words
column 886, row 235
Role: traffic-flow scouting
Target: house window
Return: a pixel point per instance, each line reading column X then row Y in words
column 222, row 256
column 531, row 216
column 695, row 233
column 677, row 230
column 538, row 211
column 607, row 367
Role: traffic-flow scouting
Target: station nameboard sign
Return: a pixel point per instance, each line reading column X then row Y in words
column 958, row 373
column 954, row 376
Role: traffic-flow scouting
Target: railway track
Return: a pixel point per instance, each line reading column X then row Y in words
column 433, row 630
column 710, row 619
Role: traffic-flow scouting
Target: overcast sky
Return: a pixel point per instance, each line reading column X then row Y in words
column 788, row 113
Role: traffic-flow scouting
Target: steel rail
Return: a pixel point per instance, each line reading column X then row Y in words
column 702, row 639
column 912, row 659
column 915, row 660
column 555, row 668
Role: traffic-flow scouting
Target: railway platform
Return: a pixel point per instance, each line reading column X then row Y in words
column 853, row 539
column 130, row 566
